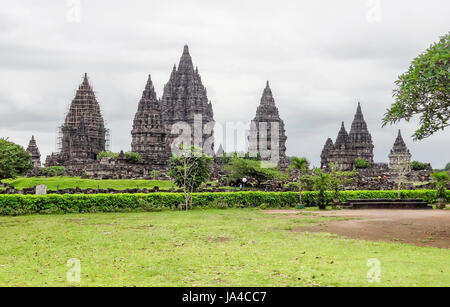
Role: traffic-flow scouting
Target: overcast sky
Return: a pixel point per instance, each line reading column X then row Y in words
column 321, row 58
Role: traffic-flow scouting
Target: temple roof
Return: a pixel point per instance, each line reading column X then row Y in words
column 342, row 138
column 267, row 110
column 32, row 148
column 359, row 132
column 84, row 107
column 185, row 91
column 399, row 145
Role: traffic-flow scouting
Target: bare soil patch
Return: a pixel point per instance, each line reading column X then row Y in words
column 420, row 227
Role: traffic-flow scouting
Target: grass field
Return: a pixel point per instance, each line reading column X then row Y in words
column 235, row 247
column 73, row 182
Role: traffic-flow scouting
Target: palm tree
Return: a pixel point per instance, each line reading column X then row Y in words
column 302, row 166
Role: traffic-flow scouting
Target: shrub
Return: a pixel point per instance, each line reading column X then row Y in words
column 133, row 157
column 53, row 171
column 361, row 163
column 107, row 154
column 154, row 174
column 419, row 166
column 14, row 160
column 86, row 203
column 254, row 171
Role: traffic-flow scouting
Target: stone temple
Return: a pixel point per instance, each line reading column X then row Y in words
column 33, row 150
column 83, row 134
column 267, row 134
column 349, row 146
column 400, row 157
column 185, row 100
column 149, row 135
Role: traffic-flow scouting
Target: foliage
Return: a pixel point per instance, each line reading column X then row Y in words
column 14, row 160
column 190, row 170
column 447, row 167
column 321, row 184
column 53, row 183
column 253, row 171
column 339, row 179
column 53, row 171
column 440, row 181
column 424, row 90
column 17, row 204
column 107, row 154
column 361, row 163
column 302, row 167
column 154, row 174
column 133, row 157
column 227, row 157
column 419, row 166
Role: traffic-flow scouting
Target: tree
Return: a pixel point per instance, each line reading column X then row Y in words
column 239, row 168
column 302, row 167
column 189, row 170
column 447, row 167
column 321, row 184
column 440, row 181
column 14, row 160
column 338, row 179
column 424, row 90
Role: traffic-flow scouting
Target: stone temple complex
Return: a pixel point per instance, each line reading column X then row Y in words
column 83, row 134
column 267, row 134
column 349, row 146
column 185, row 114
column 33, row 150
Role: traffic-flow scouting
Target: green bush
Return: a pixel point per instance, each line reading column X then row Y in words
column 419, row 166
column 361, row 163
column 86, row 203
column 133, row 157
column 107, row 154
column 53, row 171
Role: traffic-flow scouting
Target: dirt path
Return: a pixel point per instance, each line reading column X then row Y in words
column 419, row 227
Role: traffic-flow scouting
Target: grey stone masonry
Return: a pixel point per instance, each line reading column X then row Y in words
column 33, row 150
column 149, row 134
column 185, row 100
column 266, row 125
column 400, row 157
column 83, row 131
column 349, row 146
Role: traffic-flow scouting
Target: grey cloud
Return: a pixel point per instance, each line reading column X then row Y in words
column 320, row 57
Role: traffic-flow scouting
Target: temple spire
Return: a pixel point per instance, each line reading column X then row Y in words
column 149, row 91
column 342, row 138
column 399, row 145
column 267, row 97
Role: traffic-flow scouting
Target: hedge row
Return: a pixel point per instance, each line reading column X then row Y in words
column 83, row 203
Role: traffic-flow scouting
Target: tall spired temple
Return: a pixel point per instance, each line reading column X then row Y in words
column 83, row 134
column 33, row 150
column 149, row 132
column 400, row 157
column 267, row 134
column 185, row 100
column 349, row 146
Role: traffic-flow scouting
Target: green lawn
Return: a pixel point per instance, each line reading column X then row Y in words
column 72, row 182
column 235, row 247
